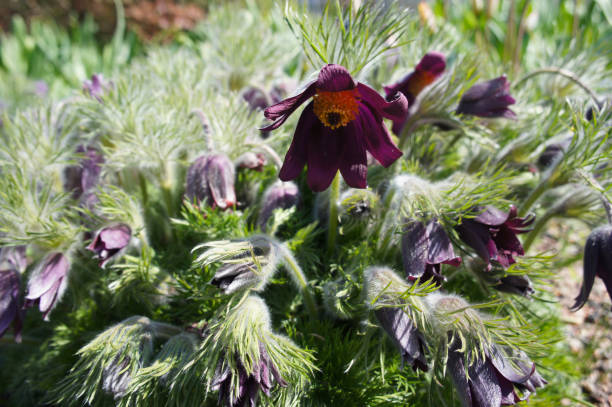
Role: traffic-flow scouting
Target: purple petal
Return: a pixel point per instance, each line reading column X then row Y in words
column 353, row 160
column 324, row 150
column 298, row 151
column 48, row 299
column 220, row 178
column 334, row 78
column 484, row 385
column 486, row 89
column 457, row 371
column 54, row 268
column 516, row 374
column 116, row 237
column 377, row 139
column 404, row 335
column 9, row 298
column 282, row 110
column 396, row 109
column 590, row 269
column 440, row 247
column 414, row 249
column 433, row 62
column 492, row 216
column 478, row 238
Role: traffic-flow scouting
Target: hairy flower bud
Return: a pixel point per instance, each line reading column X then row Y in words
column 280, row 195
column 48, row 283
column 211, row 178
column 252, row 161
column 358, row 203
column 109, row 241
column 488, row 99
column 597, row 263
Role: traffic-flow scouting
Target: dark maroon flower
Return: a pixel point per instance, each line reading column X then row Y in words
column 424, row 249
column 341, row 123
column 597, row 262
column 491, row 382
column 280, row 195
column 83, row 177
column 48, row 283
column 97, row 86
column 252, row 161
column 211, row 178
column 429, row 68
column 262, row 377
column 492, row 234
column 12, row 263
column 551, row 153
column 404, row 335
column 109, row 241
column 488, row 99
column 515, row 284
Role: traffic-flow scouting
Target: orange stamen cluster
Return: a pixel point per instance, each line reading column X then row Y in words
column 336, row 109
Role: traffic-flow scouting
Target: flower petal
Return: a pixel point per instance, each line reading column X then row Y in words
column 414, row 249
column 590, row 269
column 282, row 110
column 298, row 151
column 440, row 247
column 353, row 160
column 404, row 335
column 334, row 78
column 396, row 109
column 477, row 237
column 53, row 269
column 324, row 149
column 484, row 385
column 456, row 368
column 492, row 216
column 376, row 138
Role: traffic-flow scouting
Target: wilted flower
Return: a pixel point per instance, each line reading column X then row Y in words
column 252, row 161
column 48, row 283
column 97, row 86
column 424, row 248
column 11, row 264
column 492, row 234
column 429, row 68
column 344, row 120
column 109, row 241
column 280, row 195
column 83, row 177
column 262, row 377
column 211, row 178
column 515, row 284
column 488, row 99
column 597, row 262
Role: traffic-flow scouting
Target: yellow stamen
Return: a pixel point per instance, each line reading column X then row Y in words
column 336, row 109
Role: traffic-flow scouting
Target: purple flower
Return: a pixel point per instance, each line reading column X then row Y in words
column 341, row 123
column 424, row 249
column 48, row 283
column 262, row 377
column 83, row 177
column 252, row 161
column 429, row 68
column 597, row 262
column 491, row 382
column 109, row 241
column 97, row 86
column 41, row 89
column 492, row 234
column 11, row 264
column 280, row 195
column 404, row 335
column 211, row 178
column 256, row 98
column 488, row 99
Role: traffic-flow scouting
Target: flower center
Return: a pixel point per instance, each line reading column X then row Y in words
column 336, row 109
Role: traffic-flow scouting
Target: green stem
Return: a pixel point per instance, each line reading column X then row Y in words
column 534, row 196
column 332, row 228
column 562, row 72
column 300, row 278
column 537, row 228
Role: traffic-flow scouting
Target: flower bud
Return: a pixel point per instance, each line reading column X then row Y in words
column 48, row 283
column 109, row 241
column 358, row 203
column 488, row 99
column 515, row 284
column 252, row 161
column 211, row 178
column 280, row 195
column 84, row 176
column 97, row 86
column 256, row 98
column 597, row 263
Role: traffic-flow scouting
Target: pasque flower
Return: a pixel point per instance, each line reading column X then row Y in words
column 48, row 283
column 211, row 178
column 492, row 234
column 97, row 86
column 429, row 68
column 515, row 284
column 424, row 248
column 109, row 241
column 280, row 195
column 12, row 263
column 488, row 99
column 81, row 178
column 341, row 123
column 597, row 263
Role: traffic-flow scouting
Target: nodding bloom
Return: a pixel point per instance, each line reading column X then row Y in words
column 12, row 263
column 109, row 241
column 211, row 178
column 429, row 68
column 515, row 284
column 597, row 263
column 491, row 382
column 342, row 122
column 424, row 248
column 488, row 99
column 81, row 178
column 48, row 283
column 280, row 195
column 492, row 234
column 97, row 86
column 256, row 98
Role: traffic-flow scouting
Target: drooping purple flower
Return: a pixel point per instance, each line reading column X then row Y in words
column 280, row 195
column 429, row 68
column 109, row 241
column 488, row 99
column 211, row 178
column 252, row 161
column 424, row 248
column 256, row 98
column 515, row 284
column 491, row 382
column 83, row 177
column 97, row 86
column 12, row 263
column 48, row 283
column 597, row 263
column 262, row 377
column 341, row 123
column 492, row 234
column 404, row 335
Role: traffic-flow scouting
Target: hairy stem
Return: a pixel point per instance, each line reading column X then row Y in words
column 332, row 228
column 300, row 278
